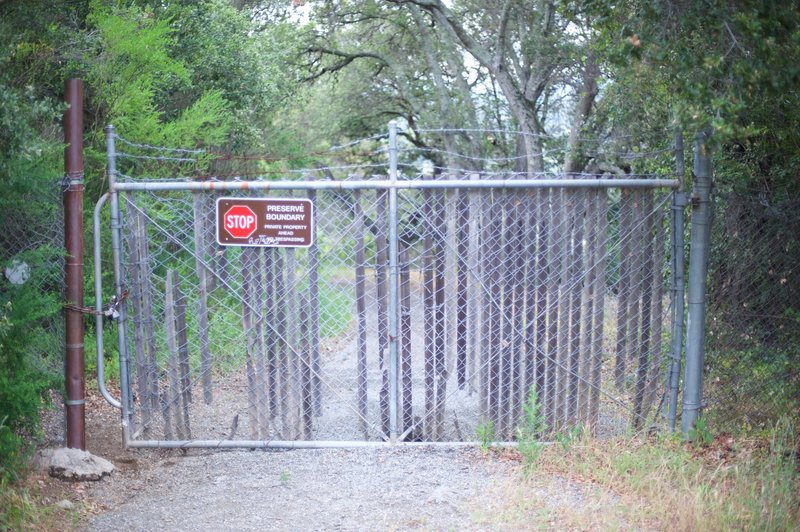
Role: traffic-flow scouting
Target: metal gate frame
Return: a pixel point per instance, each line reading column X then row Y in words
column 392, row 185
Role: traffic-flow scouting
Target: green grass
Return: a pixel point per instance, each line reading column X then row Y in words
column 24, row 507
column 668, row 484
column 529, row 432
column 335, row 310
column 486, row 435
column 227, row 341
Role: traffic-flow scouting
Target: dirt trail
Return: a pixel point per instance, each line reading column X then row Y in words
column 392, row 488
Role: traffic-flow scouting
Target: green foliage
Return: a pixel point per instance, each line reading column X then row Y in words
column 136, row 67
column 16, row 507
column 335, row 310
column 29, row 161
column 753, row 487
column 21, row 384
column 774, row 497
column 486, row 435
column 12, row 449
column 700, row 434
column 530, row 431
column 227, row 52
column 568, row 438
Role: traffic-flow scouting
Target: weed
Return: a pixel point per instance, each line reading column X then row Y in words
column 700, row 433
column 485, row 432
column 284, row 477
column 720, row 485
column 566, row 439
column 530, row 431
column 22, row 507
column 772, row 498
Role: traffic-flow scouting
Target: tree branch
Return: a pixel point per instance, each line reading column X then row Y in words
column 346, row 59
column 501, row 35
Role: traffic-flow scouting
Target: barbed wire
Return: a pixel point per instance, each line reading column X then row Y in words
column 548, row 175
column 470, row 157
column 155, row 157
column 157, row 148
column 543, row 153
column 413, row 168
column 532, row 135
column 358, row 141
column 641, row 154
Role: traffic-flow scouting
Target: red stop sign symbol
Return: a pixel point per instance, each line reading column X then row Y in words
column 240, row 221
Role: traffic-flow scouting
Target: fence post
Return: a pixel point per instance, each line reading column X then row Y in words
column 678, row 281
column 393, row 299
column 116, row 252
column 75, row 403
column 698, row 270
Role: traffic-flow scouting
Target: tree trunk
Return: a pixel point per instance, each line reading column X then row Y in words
column 565, row 215
column 519, row 358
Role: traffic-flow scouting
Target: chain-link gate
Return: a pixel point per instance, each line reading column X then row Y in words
column 424, row 310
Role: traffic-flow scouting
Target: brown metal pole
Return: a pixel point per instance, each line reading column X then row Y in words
column 73, row 264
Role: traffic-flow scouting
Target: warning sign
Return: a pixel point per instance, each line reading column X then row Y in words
column 265, row 222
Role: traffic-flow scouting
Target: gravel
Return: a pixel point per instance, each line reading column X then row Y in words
column 359, row 489
column 388, row 488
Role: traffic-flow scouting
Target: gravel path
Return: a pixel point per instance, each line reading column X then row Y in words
column 388, row 488
column 363, row 489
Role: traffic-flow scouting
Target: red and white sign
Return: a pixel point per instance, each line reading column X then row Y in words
column 265, row 222
column 239, row 221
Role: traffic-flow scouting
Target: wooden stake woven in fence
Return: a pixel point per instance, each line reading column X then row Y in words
column 248, row 325
column 644, row 358
column 428, row 311
column 439, row 357
column 202, row 297
column 139, row 283
column 175, row 397
column 381, row 261
column 598, row 309
column 624, row 226
column 361, row 315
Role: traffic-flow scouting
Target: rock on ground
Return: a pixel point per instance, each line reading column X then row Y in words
column 73, row 464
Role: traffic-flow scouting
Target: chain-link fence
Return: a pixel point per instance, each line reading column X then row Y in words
column 753, row 335
column 501, row 289
column 504, row 285
column 31, row 259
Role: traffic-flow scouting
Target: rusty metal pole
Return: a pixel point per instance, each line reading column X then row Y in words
column 73, row 263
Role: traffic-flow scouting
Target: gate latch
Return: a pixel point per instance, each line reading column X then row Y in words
column 111, row 310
